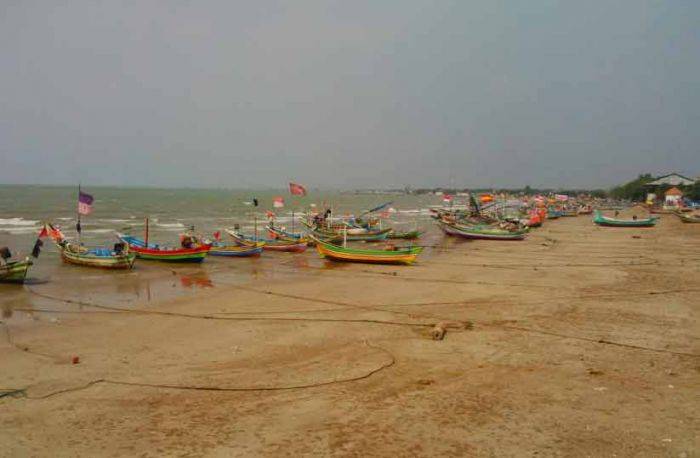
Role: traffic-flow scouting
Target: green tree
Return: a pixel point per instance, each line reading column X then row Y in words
column 633, row 190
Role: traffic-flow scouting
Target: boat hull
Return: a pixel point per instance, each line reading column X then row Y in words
column 410, row 235
column 341, row 254
column 286, row 247
column 194, row 255
column 480, row 234
column 235, row 251
column 15, row 272
column 689, row 219
column 601, row 220
column 123, row 261
column 150, row 252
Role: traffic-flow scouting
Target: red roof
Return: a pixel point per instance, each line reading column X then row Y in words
column 674, row 192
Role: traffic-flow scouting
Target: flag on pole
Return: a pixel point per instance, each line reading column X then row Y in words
column 447, row 198
column 278, row 202
column 561, row 197
column 84, row 203
column 296, row 189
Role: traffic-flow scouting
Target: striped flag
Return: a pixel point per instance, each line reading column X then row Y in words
column 278, row 202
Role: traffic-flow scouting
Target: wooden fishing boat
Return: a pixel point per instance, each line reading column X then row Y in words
column 553, row 214
column 14, row 271
column 221, row 249
column 569, row 213
column 408, row 235
column 601, row 220
column 394, row 255
column 289, row 246
column 688, row 218
column 281, row 234
column 119, row 257
column 482, row 232
column 103, row 258
column 367, row 236
column 155, row 252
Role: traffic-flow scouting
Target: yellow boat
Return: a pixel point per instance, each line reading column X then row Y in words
column 389, row 256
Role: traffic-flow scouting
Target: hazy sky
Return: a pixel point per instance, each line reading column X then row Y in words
column 348, row 93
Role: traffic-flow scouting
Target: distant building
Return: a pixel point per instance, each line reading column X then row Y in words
column 672, row 179
column 665, row 188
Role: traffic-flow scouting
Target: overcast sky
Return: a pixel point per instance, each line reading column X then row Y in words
column 348, row 93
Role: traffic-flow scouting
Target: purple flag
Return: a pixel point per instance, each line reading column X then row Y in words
column 84, row 203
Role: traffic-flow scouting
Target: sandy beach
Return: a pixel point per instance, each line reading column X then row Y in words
column 578, row 341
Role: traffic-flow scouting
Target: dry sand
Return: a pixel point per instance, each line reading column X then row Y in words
column 584, row 343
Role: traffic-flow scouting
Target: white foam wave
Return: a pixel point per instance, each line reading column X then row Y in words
column 22, row 230
column 171, row 225
column 17, row 222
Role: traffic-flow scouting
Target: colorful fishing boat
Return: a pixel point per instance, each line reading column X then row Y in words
column 553, row 214
column 350, row 235
column 118, row 257
column 14, row 271
column 601, row 220
column 155, row 252
column 103, row 258
column 241, row 251
column 289, row 246
column 392, row 255
column 482, row 232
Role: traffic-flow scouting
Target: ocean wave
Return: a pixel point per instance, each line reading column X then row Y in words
column 171, row 225
column 21, row 230
column 117, row 220
column 98, row 231
column 17, row 222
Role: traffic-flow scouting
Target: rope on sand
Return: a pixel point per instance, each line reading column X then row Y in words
column 389, row 362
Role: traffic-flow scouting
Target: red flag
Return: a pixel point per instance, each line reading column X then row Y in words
column 269, row 214
column 297, row 189
column 217, row 235
column 278, row 202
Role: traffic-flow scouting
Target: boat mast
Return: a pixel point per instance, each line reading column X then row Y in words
column 77, row 226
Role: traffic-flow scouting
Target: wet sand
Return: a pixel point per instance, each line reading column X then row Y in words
column 584, row 342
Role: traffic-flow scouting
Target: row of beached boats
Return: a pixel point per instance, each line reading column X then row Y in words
column 331, row 239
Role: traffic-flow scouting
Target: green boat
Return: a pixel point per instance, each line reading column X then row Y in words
column 409, row 235
column 482, row 232
column 14, row 271
column 391, row 255
column 601, row 220
column 351, row 235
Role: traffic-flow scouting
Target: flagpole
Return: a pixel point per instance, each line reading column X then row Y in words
column 77, row 227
